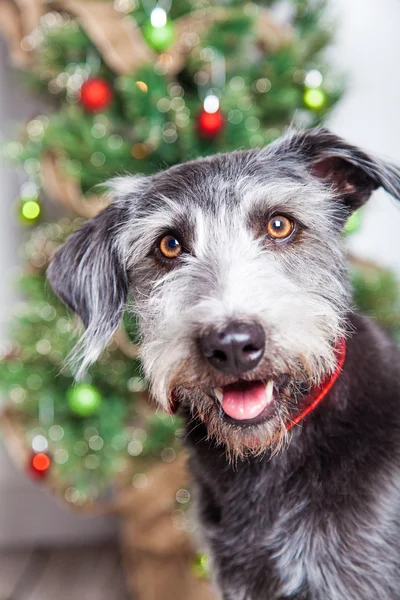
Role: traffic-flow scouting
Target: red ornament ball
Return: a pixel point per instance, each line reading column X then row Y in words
column 39, row 465
column 96, row 94
column 209, row 125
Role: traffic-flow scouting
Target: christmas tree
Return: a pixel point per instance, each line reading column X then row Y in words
column 132, row 87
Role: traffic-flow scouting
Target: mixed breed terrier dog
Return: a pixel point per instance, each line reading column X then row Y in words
column 236, row 271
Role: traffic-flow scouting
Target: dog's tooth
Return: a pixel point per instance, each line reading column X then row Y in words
column 219, row 394
column 269, row 390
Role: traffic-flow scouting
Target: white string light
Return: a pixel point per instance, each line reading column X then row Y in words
column 211, row 104
column 313, row 79
column 158, row 17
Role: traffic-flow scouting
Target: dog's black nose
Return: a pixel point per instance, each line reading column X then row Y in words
column 234, row 349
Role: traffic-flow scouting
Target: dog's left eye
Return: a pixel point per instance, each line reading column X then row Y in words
column 170, row 246
column 279, row 227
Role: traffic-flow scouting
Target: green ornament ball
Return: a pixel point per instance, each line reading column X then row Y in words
column 353, row 223
column 159, row 38
column 201, row 567
column 84, row 399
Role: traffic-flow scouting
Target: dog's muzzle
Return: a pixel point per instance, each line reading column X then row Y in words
column 234, row 350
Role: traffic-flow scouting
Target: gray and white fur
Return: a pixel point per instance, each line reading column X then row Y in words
column 321, row 519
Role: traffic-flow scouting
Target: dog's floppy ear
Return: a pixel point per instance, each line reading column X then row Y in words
column 352, row 173
column 89, row 276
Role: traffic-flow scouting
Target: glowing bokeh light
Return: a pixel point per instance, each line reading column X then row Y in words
column 314, row 98
column 158, row 17
column 30, row 210
column 313, row 79
column 211, row 104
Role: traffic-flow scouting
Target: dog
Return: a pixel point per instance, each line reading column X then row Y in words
column 235, row 268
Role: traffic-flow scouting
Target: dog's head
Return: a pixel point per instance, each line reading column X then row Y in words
column 236, row 270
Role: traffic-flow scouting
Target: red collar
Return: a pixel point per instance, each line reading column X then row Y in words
column 318, row 394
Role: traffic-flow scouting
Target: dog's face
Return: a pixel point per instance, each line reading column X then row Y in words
column 235, row 267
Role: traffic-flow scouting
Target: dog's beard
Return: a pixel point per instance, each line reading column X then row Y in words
column 239, row 439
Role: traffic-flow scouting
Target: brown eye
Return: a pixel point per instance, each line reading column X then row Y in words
column 279, row 227
column 170, row 247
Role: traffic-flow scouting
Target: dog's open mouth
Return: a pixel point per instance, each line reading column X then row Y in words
column 246, row 402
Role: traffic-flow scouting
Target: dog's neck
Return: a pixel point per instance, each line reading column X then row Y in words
column 318, row 393
column 278, row 510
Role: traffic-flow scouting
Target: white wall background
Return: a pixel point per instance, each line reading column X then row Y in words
column 367, row 48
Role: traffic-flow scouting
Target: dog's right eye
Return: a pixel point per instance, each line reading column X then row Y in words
column 170, row 246
column 280, row 227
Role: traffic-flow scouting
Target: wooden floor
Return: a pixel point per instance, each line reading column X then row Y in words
column 66, row 574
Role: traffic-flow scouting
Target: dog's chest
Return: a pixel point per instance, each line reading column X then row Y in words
column 293, row 541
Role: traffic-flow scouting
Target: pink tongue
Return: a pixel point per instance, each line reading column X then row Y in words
column 244, row 403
